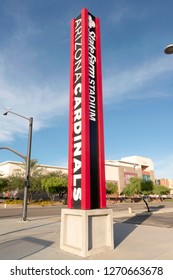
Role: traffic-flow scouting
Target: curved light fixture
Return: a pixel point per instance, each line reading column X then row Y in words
column 169, row 49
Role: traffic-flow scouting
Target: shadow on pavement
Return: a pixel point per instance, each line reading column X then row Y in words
column 17, row 249
column 156, row 208
column 141, row 217
column 121, row 232
column 25, row 229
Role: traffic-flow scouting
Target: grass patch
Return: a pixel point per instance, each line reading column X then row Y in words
column 36, row 202
column 13, row 201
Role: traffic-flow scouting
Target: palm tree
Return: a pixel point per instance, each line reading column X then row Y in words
column 36, row 173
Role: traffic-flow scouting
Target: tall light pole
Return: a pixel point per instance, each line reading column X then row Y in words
column 28, row 159
column 168, row 49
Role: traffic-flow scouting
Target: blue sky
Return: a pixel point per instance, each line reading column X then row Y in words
column 137, row 78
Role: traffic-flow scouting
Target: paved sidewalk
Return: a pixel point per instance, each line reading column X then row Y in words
column 39, row 239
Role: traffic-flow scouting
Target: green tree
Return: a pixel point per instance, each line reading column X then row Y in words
column 160, row 190
column 111, row 188
column 55, row 185
column 15, row 182
column 139, row 187
column 3, row 184
column 133, row 187
column 35, row 169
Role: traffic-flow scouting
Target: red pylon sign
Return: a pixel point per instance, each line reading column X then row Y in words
column 86, row 162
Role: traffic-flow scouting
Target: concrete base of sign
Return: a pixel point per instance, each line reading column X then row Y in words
column 86, row 232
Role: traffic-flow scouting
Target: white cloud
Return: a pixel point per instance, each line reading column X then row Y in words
column 123, row 12
column 164, row 167
column 119, row 14
column 43, row 101
column 120, row 85
column 25, row 87
column 43, row 104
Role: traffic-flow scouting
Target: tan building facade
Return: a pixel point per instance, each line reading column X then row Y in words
column 8, row 168
column 120, row 171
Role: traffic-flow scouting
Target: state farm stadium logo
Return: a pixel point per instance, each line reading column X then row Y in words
column 92, row 67
column 91, row 22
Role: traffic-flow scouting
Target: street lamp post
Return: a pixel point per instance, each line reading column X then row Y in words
column 27, row 174
column 28, row 158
